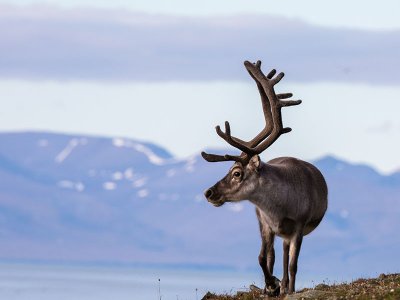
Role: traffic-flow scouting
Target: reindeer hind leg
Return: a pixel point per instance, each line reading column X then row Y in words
column 285, row 278
column 294, row 251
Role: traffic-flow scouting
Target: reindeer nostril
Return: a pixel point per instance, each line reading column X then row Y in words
column 208, row 193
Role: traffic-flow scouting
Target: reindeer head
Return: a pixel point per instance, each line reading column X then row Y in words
column 242, row 179
column 237, row 185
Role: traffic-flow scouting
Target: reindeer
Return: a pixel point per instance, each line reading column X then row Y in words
column 290, row 195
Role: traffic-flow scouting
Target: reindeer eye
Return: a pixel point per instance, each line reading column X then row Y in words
column 237, row 174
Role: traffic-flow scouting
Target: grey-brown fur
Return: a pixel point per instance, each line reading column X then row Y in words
column 290, row 195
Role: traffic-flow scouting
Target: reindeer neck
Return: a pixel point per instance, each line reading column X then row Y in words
column 269, row 182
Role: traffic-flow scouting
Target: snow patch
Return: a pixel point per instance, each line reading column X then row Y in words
column 118, row 142
column 143, row 193
column 67, row 184
column 189, row 166
column 140, row 182
column 72, row 144
column 109, row 186
column 117, row 176
column 79, row 186
column 128, row 173
column 236, row 207
column 151, row 156
column 43, row 143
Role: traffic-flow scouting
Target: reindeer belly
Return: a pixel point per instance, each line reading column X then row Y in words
column 282, row 227
column 285, row 227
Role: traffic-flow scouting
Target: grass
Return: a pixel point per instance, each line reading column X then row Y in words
column 383, row 287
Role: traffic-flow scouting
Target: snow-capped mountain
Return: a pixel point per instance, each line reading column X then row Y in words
column 78, row 198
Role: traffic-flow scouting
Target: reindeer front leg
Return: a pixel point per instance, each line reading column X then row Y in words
column 267, row 260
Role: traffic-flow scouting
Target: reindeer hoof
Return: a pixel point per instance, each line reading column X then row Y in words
column 284, row 288
column 273, row 290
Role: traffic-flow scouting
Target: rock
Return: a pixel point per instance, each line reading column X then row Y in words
column 208, row 296
column 254, row 288
column 382, row 276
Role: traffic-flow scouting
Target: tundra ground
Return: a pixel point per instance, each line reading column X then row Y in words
column 382, row 287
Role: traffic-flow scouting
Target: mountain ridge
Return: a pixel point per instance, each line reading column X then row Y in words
column 84, row 198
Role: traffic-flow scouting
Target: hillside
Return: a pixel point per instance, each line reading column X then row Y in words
column 93, row 199
column 382, row 287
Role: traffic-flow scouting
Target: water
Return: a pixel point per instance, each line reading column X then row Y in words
column 45, row 282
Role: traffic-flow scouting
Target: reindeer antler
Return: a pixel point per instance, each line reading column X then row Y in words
column 272, row 104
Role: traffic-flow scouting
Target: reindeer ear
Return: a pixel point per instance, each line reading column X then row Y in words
column 254, row 163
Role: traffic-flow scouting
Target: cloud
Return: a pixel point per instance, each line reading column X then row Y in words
column 44, row 42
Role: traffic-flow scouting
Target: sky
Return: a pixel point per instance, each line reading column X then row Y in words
column 169, row 72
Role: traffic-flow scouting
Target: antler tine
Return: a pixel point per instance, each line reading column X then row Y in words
column 229, row 139
column 289, row 103
column 284, row 95
column 213, row 157
column 270, row 74
column 217, row 158
column 278, row 78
